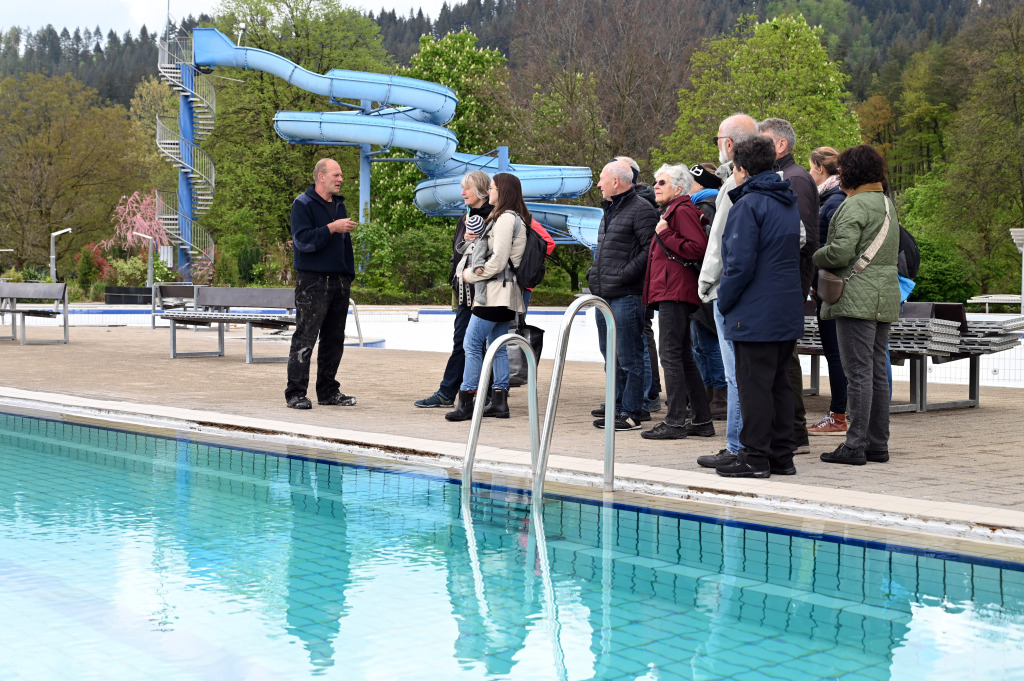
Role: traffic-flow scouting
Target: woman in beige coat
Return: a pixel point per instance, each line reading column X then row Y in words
column 497, row 296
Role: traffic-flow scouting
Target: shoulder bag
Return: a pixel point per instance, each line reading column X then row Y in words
column 830, row 286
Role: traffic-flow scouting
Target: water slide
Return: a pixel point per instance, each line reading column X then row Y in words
column 409, row 114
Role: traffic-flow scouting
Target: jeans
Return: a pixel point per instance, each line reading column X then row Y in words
column 862, row 343
column 707, row 354
column 836, row 375
column 733, row 420
column 321, row 310
column 457, row 361
column 682, row 379
column 630, row 357
column 479, row 336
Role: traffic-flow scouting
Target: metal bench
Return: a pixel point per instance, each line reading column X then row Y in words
column 172, row 297
column 12, row 292
column 995, row 299
column 220, row 306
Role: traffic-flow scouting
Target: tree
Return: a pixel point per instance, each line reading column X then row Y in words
column 774, row 69
column 61, row 164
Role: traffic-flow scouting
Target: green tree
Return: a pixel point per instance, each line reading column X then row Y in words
column 63, row 164
column 778, row 68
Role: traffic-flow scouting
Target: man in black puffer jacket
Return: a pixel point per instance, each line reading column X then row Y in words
column 620, row 263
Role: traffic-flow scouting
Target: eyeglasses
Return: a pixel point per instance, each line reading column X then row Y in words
column 659, row 183
column 714, row 140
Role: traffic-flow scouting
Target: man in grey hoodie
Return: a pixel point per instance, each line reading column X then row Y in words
column 733, row 129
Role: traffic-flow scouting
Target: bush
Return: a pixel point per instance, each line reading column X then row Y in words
column 96, row 291
column 12, row 275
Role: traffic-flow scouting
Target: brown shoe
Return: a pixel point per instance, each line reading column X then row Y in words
column 831, row 424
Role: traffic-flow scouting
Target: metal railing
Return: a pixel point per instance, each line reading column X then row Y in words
column 196, row 162
column 199, row 242
column 478, row 407
column 541, row 464
column 175, row 65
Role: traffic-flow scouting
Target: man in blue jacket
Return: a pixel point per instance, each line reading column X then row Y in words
column 760, row 298
column 324, row 268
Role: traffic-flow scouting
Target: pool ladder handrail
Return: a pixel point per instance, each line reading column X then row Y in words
column 541, row 465
column 478, row 406
column 539, row 447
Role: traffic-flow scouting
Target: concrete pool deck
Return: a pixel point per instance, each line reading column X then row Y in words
column 953, row 474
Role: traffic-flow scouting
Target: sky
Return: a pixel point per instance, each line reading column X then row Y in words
column 124, row 15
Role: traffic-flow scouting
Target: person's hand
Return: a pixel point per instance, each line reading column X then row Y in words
column 479, row 271
column 662, row 226
column 342, row 226
column 471, row 236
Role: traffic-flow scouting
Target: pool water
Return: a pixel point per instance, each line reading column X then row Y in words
column 130, row 556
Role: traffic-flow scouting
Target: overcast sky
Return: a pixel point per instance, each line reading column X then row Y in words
column 124, row 15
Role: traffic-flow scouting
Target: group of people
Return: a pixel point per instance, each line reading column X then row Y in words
column 727, row 257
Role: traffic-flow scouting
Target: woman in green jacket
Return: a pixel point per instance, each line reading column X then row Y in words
column 869, row 304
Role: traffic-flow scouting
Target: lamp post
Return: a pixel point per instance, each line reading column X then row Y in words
column 149, row 273
column 53, row 253
column 1018, row 239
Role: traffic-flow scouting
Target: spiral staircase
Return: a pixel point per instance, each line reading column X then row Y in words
column 196, row 166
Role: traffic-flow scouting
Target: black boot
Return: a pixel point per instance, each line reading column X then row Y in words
column 464, row 409
column 498, row 407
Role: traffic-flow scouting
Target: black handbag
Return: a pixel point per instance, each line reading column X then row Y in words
column 519, row 371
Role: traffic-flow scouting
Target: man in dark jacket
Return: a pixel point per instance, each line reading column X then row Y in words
column 620, row 262
column 325, row 268
column 800, row 181
column 760, row 297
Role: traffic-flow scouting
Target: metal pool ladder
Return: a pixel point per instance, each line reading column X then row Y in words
column 539, row 447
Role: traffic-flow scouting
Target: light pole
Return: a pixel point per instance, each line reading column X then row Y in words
column 53, row 253
column 1018, row 238
column 149, row 273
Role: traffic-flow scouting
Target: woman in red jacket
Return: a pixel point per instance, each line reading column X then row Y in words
column 670, row 286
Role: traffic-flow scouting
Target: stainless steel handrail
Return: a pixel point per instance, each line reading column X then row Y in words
column 540, row 469
column 355, row 314
column 478, row 407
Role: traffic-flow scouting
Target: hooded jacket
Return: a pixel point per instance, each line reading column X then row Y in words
column 623, row 241
column 759, row 293
column 667, row 278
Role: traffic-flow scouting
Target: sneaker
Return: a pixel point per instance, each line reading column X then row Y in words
column 844, row 454
column 338, row 400
column 599, row 412
column 723, row 458
column 664, row 431
column 830, row 424
column 644, row 415
column 435, row 400
column 299, row 402
column 700, row 429
column 803, row 446
column 654, row 404
column 742, row 469
column 622, row 422
column 877, row 455
column 777, row 470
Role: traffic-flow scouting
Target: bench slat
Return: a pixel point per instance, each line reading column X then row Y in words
column 220, row 296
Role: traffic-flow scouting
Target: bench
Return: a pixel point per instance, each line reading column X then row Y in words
column 12, row 292
column 951, row 338
column 995, row 299
column 220, row 306
column 172, row 297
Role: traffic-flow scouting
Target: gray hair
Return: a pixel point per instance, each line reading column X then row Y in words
column 778, row 128
column 632, row 164
column 320, row 168
column 678, row 176
column 479, row 181
column 738, row 127
column 621, row 171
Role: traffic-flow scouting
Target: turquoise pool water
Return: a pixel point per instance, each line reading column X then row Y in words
column 127, row 556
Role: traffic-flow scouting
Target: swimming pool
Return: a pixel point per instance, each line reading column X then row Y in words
column 126, row 555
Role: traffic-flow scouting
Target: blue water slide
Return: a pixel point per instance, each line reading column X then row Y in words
column 410, row 114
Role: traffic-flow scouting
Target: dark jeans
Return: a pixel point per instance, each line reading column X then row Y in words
column 457, row 361
column 862, row 344
column 836, row 375
column 630, row 357
column 766, row 402
column 321, row 309
column 682, row 378
column 796, row 380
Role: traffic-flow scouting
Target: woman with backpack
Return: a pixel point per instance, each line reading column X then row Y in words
column 497, row 296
